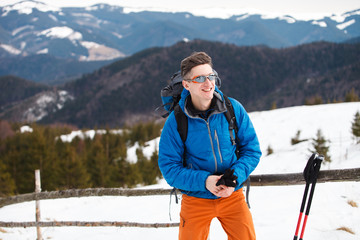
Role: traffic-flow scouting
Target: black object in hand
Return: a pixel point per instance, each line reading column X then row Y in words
column 227, row 179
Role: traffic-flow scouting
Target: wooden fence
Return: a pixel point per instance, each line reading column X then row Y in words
column 256, row 180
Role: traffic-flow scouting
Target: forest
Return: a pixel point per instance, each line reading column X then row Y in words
column 81, row 163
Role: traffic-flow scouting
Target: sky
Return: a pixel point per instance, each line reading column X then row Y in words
column 300, row 9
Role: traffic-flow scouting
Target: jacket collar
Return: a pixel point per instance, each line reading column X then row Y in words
column 219, row 104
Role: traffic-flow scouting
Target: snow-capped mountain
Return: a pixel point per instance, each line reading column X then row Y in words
column 36, row 28
column 103, row 32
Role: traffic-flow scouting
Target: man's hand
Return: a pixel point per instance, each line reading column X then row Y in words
column 226, row 191
column 219, row 191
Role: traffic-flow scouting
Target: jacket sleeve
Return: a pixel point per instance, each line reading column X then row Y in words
column 249, row 146
column 171, row 150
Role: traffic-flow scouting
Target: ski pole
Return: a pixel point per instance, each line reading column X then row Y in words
column 311, row 172
column 301, row 211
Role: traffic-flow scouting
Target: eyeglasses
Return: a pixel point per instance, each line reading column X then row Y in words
column 201, row 79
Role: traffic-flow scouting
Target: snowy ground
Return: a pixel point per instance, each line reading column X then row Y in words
column 275, row 209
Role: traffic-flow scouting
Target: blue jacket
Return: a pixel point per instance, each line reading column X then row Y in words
column 208, row 148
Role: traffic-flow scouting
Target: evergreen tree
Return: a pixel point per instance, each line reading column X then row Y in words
column 50, row 170
column 154, row 163
column 273, row 105
column 98, row 164
column 9, row 157
column 320, row 146
column 26, row 152
column 120, row 168
column 5, row 130
column 355, row 127
column 73, row 172
column 351, row 96
column 7, row 184
column 315, row 100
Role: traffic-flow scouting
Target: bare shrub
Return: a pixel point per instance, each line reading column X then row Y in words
column 346, row 229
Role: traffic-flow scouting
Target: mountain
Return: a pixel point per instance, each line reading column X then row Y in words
column 128, row 90
column 104, row 32
column 26, row 101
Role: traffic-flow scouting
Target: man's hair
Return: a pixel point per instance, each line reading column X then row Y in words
column 195, row 59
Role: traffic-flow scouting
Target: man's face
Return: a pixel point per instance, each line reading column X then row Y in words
column 201, row 93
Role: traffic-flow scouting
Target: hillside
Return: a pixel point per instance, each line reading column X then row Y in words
column 128, row 90
column 15, row 89
column 47, row 69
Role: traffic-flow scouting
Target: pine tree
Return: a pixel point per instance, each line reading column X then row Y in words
column 320, row 146
column 273, row 105
column 351, row 96
column 355, row 127
column 98, row 164
column 7, row 184
column 154, row 163
column 73, row 172
column 26, row 152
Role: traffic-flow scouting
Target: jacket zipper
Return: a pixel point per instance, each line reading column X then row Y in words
column 212, row 144
column 218, row 146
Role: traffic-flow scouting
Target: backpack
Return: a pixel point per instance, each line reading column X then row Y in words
column 170, row 96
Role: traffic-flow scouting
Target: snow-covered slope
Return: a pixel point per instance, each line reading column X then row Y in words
column 275, row 209
column 276, row 128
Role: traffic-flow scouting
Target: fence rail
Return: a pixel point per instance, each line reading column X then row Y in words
column 86, row 224
column 256, row 180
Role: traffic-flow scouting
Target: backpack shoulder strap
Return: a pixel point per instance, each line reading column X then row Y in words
column 230, row 117
column 182, row 127
column 182, row 122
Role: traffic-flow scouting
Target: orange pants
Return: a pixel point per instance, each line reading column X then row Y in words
column 233, row 213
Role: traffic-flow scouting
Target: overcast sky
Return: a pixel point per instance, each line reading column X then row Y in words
column 304, row 9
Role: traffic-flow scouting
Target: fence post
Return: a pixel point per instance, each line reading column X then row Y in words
column 37, row 203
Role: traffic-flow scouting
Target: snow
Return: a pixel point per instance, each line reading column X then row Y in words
column 148, row 150
column 275, row 209
column 61, row 32
column 301, row 10
column 80, row 134
column 20, row 29
column 25, row 129
column 26, row 7
column 87, row 134
column 240, row 18
column 277, row 127
column 320, row 23
column 99, row 52
column 44, row 102
column 43, row 51
column 10, row 49
column 344, row 25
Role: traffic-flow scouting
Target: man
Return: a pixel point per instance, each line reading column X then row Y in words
column 209, row 153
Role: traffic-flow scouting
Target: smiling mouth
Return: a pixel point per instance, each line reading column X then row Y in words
column 207, row 89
